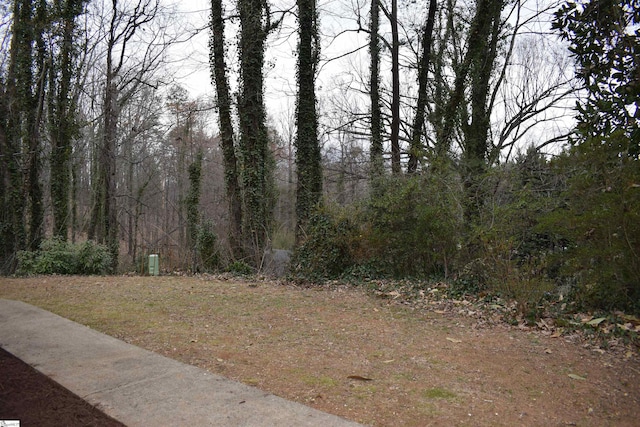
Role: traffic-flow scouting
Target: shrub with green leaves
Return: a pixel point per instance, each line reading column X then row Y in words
column 92, row 258
column 415, row 225
column 600, row 220
column 508, row 252
column 240, row 268
column 411, row 228
column 57, row 256
column 207, row 246
column 327, row 251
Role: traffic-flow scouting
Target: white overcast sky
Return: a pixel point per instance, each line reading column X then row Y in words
column 338, row 22
column 193, row 66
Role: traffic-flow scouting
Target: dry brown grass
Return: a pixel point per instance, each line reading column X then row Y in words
column 425, row 367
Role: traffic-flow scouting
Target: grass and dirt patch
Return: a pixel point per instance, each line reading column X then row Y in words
column 375, row 359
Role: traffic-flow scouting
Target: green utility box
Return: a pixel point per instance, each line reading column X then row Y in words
column 154, row 265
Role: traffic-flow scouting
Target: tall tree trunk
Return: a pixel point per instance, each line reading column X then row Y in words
column 308, row 157
column 478, row 62
column 377, row 150
column 482, row 51
column 33, row 123
column 438, row 118
column 6, row 208
column 19, row 103
column 192, row 203
column 108, row 163
column 75, row 176
column 395, row 89
column 415, row 152
column 62, row 120
column 253, row 132
column 231, row 170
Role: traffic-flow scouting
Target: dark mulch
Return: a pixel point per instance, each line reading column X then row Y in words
column 36, row 400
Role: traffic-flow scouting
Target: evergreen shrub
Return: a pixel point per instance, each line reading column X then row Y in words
column 600, row 221
column 411, row 228
column 240, row 267
column 508, row 252
column 57, row 256
column 327, row 252
column 207, row 246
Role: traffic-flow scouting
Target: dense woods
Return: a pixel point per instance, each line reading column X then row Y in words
column 487, row 143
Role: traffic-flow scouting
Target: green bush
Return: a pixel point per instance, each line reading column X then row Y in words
column 412, row 228
column 508, row 252
column 327, row 251
column 92, row 258
column 207, row 246
column 600, row 222
column 240, row 268
column 415, row 226
column 57, row 256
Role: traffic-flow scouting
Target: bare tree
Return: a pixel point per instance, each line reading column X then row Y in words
column 122, row 80
column 392, row 16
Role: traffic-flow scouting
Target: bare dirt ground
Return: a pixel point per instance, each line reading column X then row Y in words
column 350, row 353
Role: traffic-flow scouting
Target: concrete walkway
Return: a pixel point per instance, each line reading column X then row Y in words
column 138, row 387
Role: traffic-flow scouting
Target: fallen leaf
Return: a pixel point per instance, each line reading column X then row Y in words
column 576, row 377
column 596, row 322
column 389, row 361
column 548, row 350
column 394, row 294
column 359, row 378
column 453, row 340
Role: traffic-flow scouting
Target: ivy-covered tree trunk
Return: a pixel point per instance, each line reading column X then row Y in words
column 395, row 89
column 416, row 150
column 482, row 50
column 19, row 106
column 441, row 117
column 62, row 119
column 308, row 157
column 254, row 142
column 231, row 170
column 33, row 122
column 108, row 154
column 192, row 202
column 6, row 219
column 376, row 150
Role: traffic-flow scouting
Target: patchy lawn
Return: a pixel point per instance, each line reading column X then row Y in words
column 347, row 352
